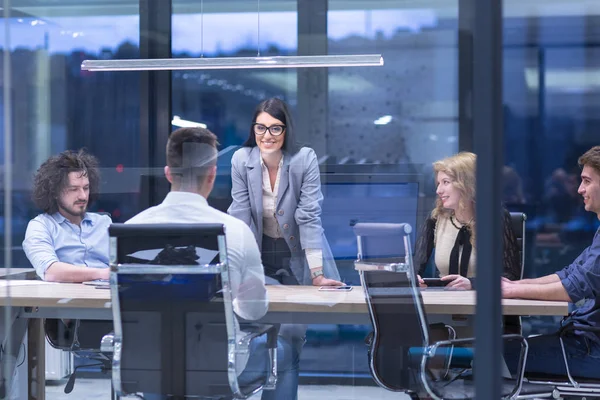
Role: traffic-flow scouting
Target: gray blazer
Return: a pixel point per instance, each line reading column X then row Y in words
column 298, row 205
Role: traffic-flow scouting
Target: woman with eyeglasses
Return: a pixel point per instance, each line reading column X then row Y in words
column 276, row 190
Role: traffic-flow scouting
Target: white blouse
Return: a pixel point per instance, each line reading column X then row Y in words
column 445, row 237
column 314, row 257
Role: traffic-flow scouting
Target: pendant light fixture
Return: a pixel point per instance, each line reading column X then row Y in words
column 166, row 64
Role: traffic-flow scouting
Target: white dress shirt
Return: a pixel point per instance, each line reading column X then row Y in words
column 246, row 273
column 314, row 257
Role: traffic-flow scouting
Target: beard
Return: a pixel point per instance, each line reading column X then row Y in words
column 74, row 210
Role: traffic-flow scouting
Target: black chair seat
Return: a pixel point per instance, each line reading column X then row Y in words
column 465, row 389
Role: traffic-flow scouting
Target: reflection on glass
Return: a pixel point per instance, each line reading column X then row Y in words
column 57, row 106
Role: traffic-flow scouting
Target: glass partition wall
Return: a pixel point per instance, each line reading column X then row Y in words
column 375, row 130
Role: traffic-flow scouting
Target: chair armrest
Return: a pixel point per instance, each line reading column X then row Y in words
column 107, row 343
column 272, row 332
column 272, row 335
column 469, row 340
column 255, row 331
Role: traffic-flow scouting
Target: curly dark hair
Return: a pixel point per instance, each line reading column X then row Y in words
column 53, row 177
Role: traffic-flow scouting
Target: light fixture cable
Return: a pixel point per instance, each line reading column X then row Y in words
column 258, row 28
column 201, row 28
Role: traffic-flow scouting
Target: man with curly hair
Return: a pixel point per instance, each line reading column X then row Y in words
column 66, row 243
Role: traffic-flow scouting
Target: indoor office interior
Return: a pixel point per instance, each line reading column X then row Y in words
column 376, row 130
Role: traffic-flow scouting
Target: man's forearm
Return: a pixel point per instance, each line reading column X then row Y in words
column 544, row 280
column 63, row 272
column 550, row 291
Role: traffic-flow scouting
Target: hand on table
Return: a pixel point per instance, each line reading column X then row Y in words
column 103, row 273
column 508, row 289
column 322, row 281
column 421, row 282
column 457, row 282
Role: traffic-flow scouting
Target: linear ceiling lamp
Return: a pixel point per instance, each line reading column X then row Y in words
column 165, row 64
column 184, row 123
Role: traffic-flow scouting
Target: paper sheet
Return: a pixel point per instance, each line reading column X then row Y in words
column 330, row 300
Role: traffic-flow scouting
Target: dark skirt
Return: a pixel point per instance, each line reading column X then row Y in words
column 276, row 256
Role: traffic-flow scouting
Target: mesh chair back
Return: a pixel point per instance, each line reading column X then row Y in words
column 395, row 305
column 172, row 310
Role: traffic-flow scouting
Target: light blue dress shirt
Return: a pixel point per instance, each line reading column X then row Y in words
column 52, row 238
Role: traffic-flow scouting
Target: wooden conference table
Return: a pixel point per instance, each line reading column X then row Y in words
column 302, row 304
column 35, row 300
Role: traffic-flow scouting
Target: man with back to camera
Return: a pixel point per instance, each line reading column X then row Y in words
column 578, row 283
column 191, row 169
column 66, row 243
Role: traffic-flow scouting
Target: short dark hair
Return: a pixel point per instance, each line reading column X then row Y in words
column 277, row 109
column 52, row 178
column 591, row 158
column 183, row 158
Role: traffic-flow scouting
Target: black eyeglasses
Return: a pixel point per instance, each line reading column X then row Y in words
column 274, row 130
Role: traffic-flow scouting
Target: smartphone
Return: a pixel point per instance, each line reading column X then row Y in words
column 335, row 288
column 435, row 282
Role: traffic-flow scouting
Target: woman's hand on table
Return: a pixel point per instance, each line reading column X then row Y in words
column 508, row 289
column 421, row 282
column 322, row 281
column 457, row 282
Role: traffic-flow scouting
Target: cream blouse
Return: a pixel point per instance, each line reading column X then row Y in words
column 445, row 237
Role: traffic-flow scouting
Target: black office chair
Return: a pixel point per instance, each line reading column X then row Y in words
column 518, row 220
column 401, row 356
column 513, row 324
column 176, row 333
column 565, row 385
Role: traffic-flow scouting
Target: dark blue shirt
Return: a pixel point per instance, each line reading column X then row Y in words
column 581, row 280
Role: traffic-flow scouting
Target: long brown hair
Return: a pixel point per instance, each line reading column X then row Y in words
column 461, row 170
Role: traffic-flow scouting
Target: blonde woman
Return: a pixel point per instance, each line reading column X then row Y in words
column 448, row 236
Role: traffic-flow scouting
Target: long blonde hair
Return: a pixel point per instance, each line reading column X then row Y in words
column 461, row 170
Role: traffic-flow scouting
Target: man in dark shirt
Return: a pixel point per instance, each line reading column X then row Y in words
column 577, row 283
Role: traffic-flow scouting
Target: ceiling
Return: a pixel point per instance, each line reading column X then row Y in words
column 443, row 8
